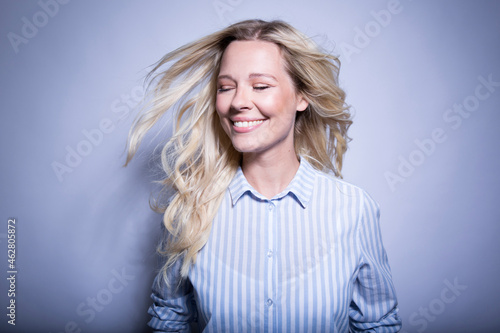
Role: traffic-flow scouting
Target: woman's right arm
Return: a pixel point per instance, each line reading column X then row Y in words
column 173, row 306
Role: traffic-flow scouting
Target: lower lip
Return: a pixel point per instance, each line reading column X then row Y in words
column 246, row 129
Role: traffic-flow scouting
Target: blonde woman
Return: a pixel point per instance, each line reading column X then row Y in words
column 261, row 234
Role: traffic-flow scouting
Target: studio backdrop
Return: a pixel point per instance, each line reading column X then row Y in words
column 422, row 78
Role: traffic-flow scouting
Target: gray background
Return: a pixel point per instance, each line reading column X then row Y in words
column 82, row 68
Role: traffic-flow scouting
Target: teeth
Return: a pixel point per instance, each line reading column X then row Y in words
column 247, row 123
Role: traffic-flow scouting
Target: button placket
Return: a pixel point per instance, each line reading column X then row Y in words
column 269, row 254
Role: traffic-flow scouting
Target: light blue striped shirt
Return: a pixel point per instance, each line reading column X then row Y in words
column 310, row 259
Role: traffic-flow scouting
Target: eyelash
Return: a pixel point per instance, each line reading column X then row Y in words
column 221, row 90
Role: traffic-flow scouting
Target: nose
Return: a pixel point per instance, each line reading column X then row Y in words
column 241, row 100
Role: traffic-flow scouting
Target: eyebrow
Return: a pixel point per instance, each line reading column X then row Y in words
column 251, row 76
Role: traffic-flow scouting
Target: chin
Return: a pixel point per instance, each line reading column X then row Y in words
column 242, row 149
column 245, row 148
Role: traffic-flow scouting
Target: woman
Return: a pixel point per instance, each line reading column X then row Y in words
column 262, row 235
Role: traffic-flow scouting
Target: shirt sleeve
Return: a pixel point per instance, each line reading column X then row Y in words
column 173, row 307
column 374, row 304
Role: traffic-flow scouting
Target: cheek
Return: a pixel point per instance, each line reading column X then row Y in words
column 280, row 101
column 222, row 103
column 222, row 113
column 219, row 108
column 218, row 105
column 269, row 105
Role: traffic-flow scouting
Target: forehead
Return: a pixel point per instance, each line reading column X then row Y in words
column 252, row 56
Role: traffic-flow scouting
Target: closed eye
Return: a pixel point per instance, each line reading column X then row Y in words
column 261, row 87
column 224, row 89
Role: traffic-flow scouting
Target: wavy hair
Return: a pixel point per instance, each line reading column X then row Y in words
column 199, row 160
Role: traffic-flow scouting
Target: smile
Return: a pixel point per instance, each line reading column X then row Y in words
column 241, row 124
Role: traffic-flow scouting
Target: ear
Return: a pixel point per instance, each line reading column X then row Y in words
column 302, row 104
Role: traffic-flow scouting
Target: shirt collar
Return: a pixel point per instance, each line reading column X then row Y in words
column 301, row 186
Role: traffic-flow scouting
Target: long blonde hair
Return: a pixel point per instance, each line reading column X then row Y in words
column 199, row 160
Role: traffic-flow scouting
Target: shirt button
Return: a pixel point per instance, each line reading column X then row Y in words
column 270, row 206
column 269, row 302
column 269, row 253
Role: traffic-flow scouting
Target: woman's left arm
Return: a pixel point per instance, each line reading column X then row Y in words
column 374, row 304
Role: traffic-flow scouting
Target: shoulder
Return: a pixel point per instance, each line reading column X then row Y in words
column 342, row 187
column 347, row 198
column 329, row 189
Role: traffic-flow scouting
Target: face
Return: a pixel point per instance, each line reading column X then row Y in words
column 256, row 99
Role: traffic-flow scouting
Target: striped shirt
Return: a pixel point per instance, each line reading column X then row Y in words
column 310, row 259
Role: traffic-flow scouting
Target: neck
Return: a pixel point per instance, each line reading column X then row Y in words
column 270, row 173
